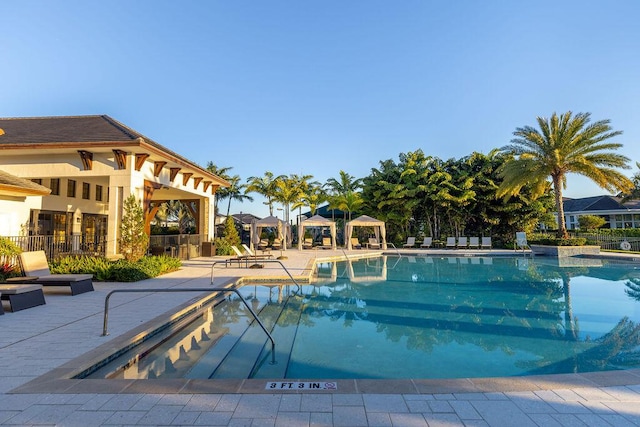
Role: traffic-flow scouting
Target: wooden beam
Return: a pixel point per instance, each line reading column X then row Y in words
column 205, row 185
column 157, row 168
column 87, row 159
column 196, row 182
column 140, row 159
column 185, row 177
column 173, row 172
column 121, row 158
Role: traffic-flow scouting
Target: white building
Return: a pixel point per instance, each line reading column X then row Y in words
column 91, row 164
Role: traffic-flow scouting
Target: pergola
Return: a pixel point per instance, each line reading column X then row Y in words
column 284, row 231
column 367, row 221
column 317, row 221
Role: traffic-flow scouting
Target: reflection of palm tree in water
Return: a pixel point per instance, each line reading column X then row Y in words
column 570, row 323
column 634, row 288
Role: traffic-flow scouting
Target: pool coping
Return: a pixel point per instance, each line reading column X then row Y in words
column 60, row 381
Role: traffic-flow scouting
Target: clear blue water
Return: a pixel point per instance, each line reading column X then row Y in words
column 419, row 317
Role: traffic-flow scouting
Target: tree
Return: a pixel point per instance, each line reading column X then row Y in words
column 235, row 192
column 133, row 239
column 231, row 232
column 265, row 186
column 564, row 144
column 590, row 222
column 222, row 172
column 634, row 194
column 311, row 198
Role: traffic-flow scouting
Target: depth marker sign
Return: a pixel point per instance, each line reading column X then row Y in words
column 299, row 385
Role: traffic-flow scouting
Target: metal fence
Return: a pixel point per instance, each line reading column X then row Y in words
column 610, row 242
column 55, row 248
column 183, row 246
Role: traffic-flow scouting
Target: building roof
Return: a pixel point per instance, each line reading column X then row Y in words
column 11, row 185
column 599, row 203
column 84, row 133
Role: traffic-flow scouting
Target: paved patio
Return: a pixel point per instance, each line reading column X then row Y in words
column 36, row 342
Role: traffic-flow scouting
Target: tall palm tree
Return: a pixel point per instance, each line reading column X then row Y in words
column 265, row 186
column 235, row 191
column 564, row 144
column 222, row 172
column 311, row 198
column 338, row 188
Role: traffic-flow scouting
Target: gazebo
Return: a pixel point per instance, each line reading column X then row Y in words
column 284, row 232
column 367, row 221
column 317, row 221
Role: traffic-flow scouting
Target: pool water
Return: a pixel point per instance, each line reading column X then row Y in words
column 414, row 317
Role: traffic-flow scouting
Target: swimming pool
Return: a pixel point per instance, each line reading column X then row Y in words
column 412, row 317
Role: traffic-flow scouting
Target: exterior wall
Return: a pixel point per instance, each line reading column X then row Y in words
column 14, row 214
column 118, row 183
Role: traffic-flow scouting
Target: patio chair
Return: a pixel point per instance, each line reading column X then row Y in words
column 474, row 242
column 427, row 242
column 521, row 241
column 411, row 242
column 263, row 244
column 451, row 242
column 21, row 296
column 34, row 264
column 373, row 243
column 240, row 256
column 326, row 243
column 355, row 243
column 277, row 243
column 462, row 242
column 486, row 243
column 307, row 243
column 254, row 255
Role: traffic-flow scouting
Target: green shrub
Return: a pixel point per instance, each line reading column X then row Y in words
column 223, row 247
column 116, row 271
column 547, row 241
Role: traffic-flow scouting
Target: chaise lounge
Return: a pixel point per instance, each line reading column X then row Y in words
column 34, row 264
column 21, row 296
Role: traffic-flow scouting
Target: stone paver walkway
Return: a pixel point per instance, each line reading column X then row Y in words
column 36, row 341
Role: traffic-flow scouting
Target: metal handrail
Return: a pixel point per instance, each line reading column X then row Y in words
column 255, row 316
column 262, row 260
column 394, row 247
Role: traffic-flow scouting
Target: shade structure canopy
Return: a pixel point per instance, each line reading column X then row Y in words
column 367, row 221
column 283, row 230
column 317, row 221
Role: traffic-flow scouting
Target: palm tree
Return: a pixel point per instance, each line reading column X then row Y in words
column 337, row 188
column 311, row 198
column 564, row 144
column 222, row 172
column 265, row 186
column 234, row 192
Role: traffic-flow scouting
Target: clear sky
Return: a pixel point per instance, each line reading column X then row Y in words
column 315, row 87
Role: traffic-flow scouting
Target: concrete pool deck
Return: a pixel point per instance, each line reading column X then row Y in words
column 41, row 340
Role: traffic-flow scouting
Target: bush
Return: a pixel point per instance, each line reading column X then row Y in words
column 116, row 271
column 576, row 241
column 223, row 246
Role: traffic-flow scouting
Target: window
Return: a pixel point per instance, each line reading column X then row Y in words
column 37, row 181
column 86, row 189
column 99, row 193
column 55, row 186
column 71, row 188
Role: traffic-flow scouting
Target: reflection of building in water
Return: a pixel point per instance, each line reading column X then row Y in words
column 367, row 270
column 180, row 352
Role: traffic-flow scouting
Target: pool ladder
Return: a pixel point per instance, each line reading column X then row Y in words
column 220, row 290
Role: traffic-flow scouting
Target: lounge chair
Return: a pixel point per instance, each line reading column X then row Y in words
column 427, row 242
column 355, row 243
column 411, row 242
column 373, row 243
column 462, row 242
column 474, row 242
column 21, row 296
column 277, row 243
column 521, row 241
column 254, row 255
column 326, row 243
column 307, row 243
column 263, row 245
column 486, row 243
column 240, row 256
column 451, row 242
column 34, row 264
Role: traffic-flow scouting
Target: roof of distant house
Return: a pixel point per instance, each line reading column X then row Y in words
column 599, row 203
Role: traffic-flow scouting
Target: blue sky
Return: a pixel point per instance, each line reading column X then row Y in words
column 315, row 87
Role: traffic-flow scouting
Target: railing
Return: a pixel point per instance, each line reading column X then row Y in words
column 221, row 290
column 56, row 247
column 249, row 258
column 612, row 242
column 183, row 246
